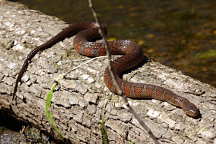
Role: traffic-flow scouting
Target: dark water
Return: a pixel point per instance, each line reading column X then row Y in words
column 178, row 33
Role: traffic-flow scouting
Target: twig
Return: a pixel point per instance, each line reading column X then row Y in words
column 119, row 91
column 62, row 76
column 88, row 61
column 108, row 53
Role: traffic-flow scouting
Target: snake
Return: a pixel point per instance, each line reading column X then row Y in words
column 85, row 42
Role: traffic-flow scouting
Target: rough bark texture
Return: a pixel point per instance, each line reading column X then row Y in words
column 83, row 100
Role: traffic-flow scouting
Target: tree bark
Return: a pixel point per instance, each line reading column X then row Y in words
column 82, row 100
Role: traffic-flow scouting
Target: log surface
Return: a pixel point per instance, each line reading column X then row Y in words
column 82, row 100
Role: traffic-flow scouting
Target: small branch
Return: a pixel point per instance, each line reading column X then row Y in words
column 104, row 39
column 119, row 91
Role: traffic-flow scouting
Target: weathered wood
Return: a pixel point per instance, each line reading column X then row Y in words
column 83, row 100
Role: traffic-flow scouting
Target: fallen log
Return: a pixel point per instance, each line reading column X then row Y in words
column 82, row 100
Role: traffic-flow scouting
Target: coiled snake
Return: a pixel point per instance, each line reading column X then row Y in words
column 84, row 43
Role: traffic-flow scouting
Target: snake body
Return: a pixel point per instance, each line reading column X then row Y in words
column 132, row 56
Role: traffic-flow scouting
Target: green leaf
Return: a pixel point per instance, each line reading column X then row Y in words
column 48, row 113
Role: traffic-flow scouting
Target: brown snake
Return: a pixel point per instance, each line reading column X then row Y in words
column 84, row 43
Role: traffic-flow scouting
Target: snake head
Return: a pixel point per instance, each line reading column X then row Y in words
column 191, row 110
